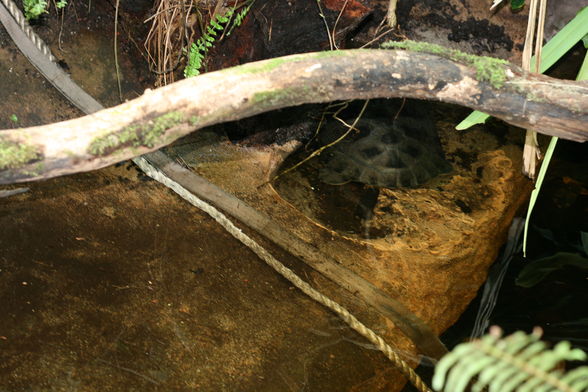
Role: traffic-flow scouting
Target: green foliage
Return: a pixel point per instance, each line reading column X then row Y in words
column 537, row 270
column 583, row 72
column 516, row 5
column 14, row 118
column 60, row 4
column 199, row 48
column 519, row 362
column 239, row 17
column 34, row 8
column 216, row 25
column 582, row 75
column 538, row 184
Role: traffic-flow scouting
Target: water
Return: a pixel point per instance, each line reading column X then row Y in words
column 111, row 281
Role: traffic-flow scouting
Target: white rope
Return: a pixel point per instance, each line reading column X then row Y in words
column 287, row 273
column 24, row 26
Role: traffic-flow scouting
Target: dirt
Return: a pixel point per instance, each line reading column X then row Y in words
column 467, row 25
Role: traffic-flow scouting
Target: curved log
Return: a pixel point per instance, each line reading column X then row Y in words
column 551, row 106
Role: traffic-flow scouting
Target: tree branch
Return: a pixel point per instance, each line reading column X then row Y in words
column 550, row 106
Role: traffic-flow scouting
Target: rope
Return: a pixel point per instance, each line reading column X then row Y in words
column 24, row 26
column 287, row 273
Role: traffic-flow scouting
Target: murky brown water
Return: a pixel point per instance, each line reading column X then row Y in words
column 109, row 282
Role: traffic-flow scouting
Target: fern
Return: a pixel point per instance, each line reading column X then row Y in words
column 216, row 25
column 518, row 362
column 199, row 48
column 239, row 18
column 34, row 8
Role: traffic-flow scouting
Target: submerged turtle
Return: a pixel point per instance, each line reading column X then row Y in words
column 404, row 152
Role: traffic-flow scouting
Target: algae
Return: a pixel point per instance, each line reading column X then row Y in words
column 136, row 135
column 15, row 154
column 488, row 69
column 271, row 64
column 271, row 98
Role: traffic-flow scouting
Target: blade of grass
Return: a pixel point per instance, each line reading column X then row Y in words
column 474, row 118
column 535, row 192
column 582, row 75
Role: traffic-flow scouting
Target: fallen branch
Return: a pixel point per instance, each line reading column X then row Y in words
column 551, row 106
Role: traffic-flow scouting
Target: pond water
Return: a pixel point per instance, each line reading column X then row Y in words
column 109, row 281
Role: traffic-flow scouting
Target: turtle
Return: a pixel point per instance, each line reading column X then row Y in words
column 386, row 152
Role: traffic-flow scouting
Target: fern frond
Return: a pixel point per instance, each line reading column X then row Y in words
column 239, row 17
column 199, row 48
column 519, row 362
column 34, row 8
column 216, row 25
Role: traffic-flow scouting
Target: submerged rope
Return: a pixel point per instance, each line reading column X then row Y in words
column 229, row 226
column 286, row 272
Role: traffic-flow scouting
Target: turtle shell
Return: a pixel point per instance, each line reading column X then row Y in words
column 385, row 153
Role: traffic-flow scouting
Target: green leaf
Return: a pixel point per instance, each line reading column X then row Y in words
column 519, row 362
column 474, row 118
column 535, row 192
column 516, row 5
column 563, row 41
column 215, row 24
column 537, row 270
column 583, row 73
column 220, row 19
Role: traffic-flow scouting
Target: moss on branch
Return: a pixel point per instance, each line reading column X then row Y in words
column 14, row 154
column 147, row 135
column 488, row 69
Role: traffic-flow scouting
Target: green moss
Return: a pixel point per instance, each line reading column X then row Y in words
column 488, row 69
column 334, row 53
column 13, row 154
column 147, row 135
column 266, row 66
column 271, row 64
column 271, row 98
column 194, row 120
